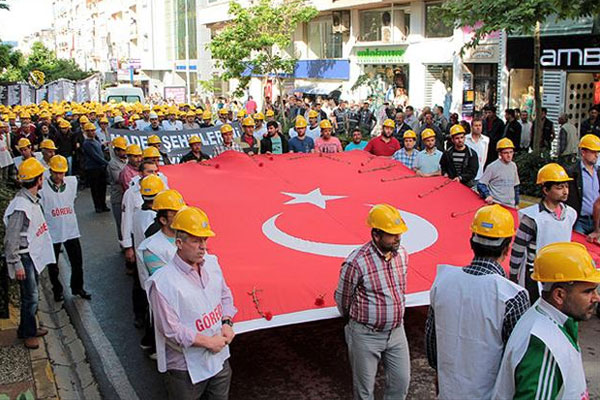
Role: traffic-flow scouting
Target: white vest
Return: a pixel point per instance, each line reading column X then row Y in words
column 19, row 159
column 469, row 315
column 59, row 210
column 198, row 309
column 538, row 323
column 160, row 247
column 142, row 219
column 549, row 229
column 38, row 237
column 136, row 179
column 5, row 157
column 132, row 201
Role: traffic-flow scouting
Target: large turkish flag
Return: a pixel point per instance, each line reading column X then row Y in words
column 285, row 223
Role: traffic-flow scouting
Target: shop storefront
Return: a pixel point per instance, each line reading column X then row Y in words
column 570, row 74
column 480, row 79
column 385, row 72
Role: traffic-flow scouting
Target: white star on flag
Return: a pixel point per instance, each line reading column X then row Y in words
column 315, row 198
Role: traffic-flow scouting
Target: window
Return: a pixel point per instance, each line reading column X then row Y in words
column 181, row 31
column 123, row 98
column 434, row 25
column 384, row 25
column 322, row 42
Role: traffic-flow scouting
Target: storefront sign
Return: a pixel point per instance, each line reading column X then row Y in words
column 483, row 53
column 377, row 56
column 575, row 52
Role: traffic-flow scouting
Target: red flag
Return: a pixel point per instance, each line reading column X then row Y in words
column 285, row 223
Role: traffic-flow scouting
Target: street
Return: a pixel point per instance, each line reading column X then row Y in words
column 305, row 361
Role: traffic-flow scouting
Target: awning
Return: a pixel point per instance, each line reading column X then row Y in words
column 322, row 89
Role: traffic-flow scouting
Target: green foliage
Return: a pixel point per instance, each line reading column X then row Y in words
column 529, row 165
column 249, row 41
column 4, row 5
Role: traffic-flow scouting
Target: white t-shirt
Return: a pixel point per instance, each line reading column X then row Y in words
column 501, row 179
column 481, row 148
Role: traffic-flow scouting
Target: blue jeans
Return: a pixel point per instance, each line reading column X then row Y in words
column 29, row 299
column 584, row 224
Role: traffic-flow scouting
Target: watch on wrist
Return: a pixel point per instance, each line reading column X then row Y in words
column 227, row 322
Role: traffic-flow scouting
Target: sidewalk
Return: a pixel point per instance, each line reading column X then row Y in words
column 58, row 369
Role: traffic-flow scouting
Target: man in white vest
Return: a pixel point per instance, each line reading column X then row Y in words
column 542, row 359
column 473, row 311
column 548, row 222
column 27, row 246
column 158, row 248
column 58, row 201
column 193, row 310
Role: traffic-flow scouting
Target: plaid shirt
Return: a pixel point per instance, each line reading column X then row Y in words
column 221, row 148
column 514, row 308
column 371, row 289
column 408, row 160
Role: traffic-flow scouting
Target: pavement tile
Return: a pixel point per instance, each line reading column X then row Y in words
column 44, row 379
column 54, row 321
column 91, row 392
column 56, row 351
column 65, row 380
column 68, row 334
column 77, row 352
column 15, row 365
column 13, row 390
column 40, row 353
column 85, row 375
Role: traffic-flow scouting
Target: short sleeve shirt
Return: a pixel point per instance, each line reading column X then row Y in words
column 428, row 163
column 501, row 179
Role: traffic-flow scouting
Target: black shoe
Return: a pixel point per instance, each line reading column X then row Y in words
column 139, row 322
column 83, row 294
column 99, row 210
column 105, row 209
column 58, row 297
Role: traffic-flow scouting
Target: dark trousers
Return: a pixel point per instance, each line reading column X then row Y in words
column 29, row 299
column 73, row 248
column 96, row 178
column 180, row 386
column 138, row 296
column 531, row 286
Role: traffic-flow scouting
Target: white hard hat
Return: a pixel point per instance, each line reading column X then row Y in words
column 118, row 119
column 153, row 115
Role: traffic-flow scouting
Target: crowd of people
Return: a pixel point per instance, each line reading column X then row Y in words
column 488, row 335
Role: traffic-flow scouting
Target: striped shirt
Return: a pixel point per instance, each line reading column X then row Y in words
column 458, row 159
column 372, row 286
column 408, row 160
column 221, row 148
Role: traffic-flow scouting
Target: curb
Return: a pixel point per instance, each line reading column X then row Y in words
column 60, row 365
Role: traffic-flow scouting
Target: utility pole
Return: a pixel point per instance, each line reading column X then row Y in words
column 187, row 53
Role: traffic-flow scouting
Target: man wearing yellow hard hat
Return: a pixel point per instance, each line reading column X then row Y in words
column 386, row 144
column 58, row 201
column 427, row 163
column 117, row 163
column 249, row 142
column 549, row 221
column 48, row 150
column 27, row 246
column 460, row 162
column 206, row 119
column 201, row 321
column 190, row 121
column 95, row 165
column 542, row 359
column 299, row 142
column 260, row 128
column 407, row 155
column 313, row 130
column 370, row 295
column 500, row 181
column 473, row 310
column 327, row 143
column 584, row 189
column 227, row 141
column 172, row 123
column 26, row 149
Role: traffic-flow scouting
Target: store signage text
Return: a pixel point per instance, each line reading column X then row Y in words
column 587, row 57
column 377, row 56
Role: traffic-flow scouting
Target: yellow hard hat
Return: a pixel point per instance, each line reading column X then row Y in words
column 150, row 152
column 104, row 120
column 89, row 127
column 48, row 144
column 133, row 150
column 24, row 115
column 23, row 142
column 504, row 143
column 386, row 218
column 241, row 113
column 225, row 128
column 248, row 121
column 223, row 111
column 552, row 173
column 427, row 133
column 590, row 142
column 168, row 200
column 389, row 123
column 119, row 143
column 313, row 114
column 193, row 221
column 58, row 163
column 270, row 113
column 207, row 114
column 134, row 117
column 154, row 139
column 564, row 262
column 192, row 114
column 151, row 185
column 409, row 135
column 194, row 139
column 325, row 124
column 300, row 122
column 493, row 221
column 64, row 124
column 84, row 120
column 30, row 169
column 457, row 129
column 259, row 116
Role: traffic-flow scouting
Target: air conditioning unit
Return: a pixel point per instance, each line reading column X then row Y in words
column 386, row 34
column 341, row 21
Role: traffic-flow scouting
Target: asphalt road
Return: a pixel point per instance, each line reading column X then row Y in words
column 306, row 361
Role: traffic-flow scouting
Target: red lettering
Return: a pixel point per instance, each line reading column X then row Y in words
column 206, row 321
column 213, row 318
column 199, row 325
column 40, row 231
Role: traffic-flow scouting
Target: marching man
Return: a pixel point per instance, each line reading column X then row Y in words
column 193, row 310
column 542, row 359
column 500, row 181
column 28, row 246
column 370, row 294
column 58, row 201
column 473, row 311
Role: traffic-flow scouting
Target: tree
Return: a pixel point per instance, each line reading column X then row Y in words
column 43, row 59
column 520, row 17
column 251, row 43
column 4, row 5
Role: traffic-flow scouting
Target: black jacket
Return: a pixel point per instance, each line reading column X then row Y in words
column 267, row 146
column 469, row 168
column 512, row 131
column 191, row 157
column 576, row 186
column 494, row 131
